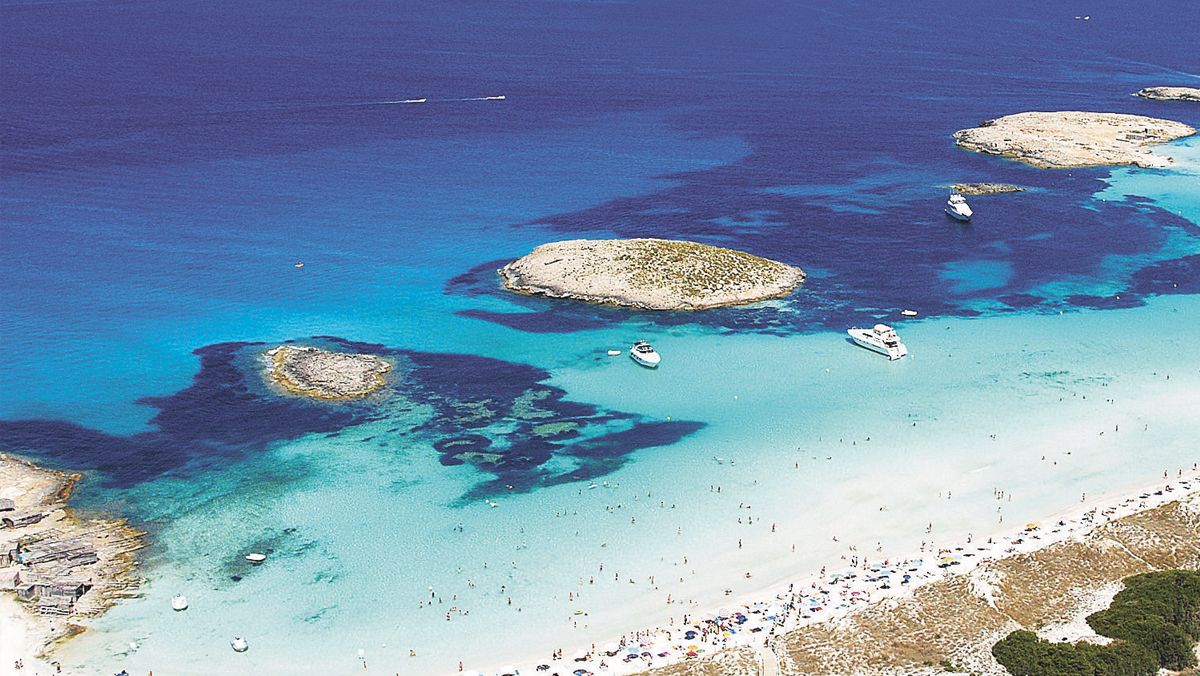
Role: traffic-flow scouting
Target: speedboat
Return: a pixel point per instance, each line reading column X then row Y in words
column 957, row 207
column 644, row 354
column 179, row 602
column 256, row 558
column 880, row 338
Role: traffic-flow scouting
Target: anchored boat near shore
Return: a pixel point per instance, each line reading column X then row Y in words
column 644, row 354
column 880, row 338
column 957, row 208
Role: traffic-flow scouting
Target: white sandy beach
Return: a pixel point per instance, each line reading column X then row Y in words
column 21, row 634
column 752, row 621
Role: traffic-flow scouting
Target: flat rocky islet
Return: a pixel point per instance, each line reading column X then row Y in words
column 1170, row 94
column 1073, row 139
column 324, row 374
column 985, row 188
column 650, row 274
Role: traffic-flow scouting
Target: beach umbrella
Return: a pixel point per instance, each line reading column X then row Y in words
column 507, row 671
column 611, row 648
column 580, row 656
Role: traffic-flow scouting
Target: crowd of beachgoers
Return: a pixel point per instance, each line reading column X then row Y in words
column 833, row 594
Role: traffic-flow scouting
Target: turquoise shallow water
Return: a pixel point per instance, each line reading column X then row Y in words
column 806, row 433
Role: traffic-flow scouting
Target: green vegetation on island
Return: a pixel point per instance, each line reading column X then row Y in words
column 1154, row 621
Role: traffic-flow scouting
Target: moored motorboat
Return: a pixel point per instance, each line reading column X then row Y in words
column 179, row 602
column 239, row 645
column 880, row 338
column 644, row 354
column 957, row 207
column 256, row 558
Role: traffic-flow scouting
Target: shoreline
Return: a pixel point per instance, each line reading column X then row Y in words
column 1072, row 524
column 98, row 569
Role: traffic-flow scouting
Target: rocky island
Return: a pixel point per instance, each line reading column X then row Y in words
column 985, row 188
column 1070, row 139
column 1170, row 94
column 650, row 274
column 323, row 374
column 57, row 567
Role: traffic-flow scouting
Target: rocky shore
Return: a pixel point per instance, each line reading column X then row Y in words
column 650, row 274
column 322, row 374
column 57, row 567
column 985, row 188
column 1170, row 93
column 1070, row 139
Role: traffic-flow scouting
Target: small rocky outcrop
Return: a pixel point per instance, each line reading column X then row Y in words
column 650, row 274
column 322, row 374
column 985, row 188
column 1170, row 94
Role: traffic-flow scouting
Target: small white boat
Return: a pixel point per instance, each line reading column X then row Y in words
column 909, row 313
column 239, row 645
column 957, row 207
column 614, row 353
column 256, row 558
column 880, row 338
column 179, row 602
column 644, row 354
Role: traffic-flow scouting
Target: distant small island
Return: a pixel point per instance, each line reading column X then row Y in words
column 1071, row 139
column 985, row 188
column 322, row 374
column 650, row 274
column 1170, row 94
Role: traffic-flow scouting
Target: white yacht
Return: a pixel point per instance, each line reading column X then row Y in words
column 644, row 354
column 179, row 602
column 239, row 645
column 881, row 338
column 957, row 207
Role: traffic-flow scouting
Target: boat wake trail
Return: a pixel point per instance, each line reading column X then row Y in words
column 399, row 101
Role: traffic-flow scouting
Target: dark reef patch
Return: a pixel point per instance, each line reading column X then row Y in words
column 221, row 414
column 1181, row 275
column 494, row 415
column 875, row 240
column 500, row 418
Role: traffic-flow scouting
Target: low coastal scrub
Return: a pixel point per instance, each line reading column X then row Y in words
column 1155, row 622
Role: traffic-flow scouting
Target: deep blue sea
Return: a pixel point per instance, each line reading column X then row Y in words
column 164, row 166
